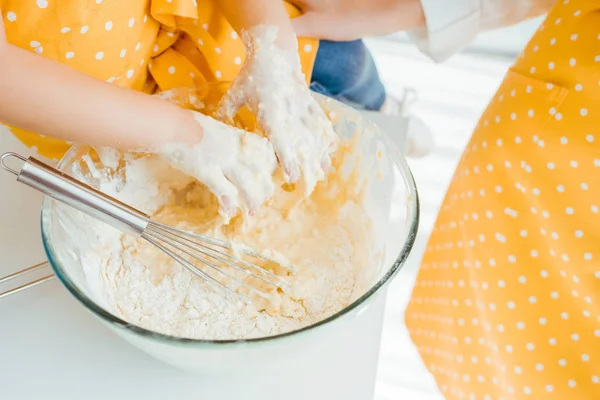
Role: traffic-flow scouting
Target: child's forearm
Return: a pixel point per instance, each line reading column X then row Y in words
column 52, row 99
column 246, row 14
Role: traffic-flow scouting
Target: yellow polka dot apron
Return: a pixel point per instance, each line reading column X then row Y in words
column 507, row 302
column 146, row 45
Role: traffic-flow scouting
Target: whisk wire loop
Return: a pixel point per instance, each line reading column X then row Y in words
column 176, row 243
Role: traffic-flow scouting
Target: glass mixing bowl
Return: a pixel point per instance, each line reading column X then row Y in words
column 344, row 347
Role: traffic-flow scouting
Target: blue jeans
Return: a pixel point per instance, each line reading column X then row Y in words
column 346, row 72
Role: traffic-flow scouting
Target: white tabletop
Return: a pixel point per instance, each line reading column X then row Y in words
column 50, row 346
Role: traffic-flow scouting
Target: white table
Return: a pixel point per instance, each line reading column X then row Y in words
column 50, row 347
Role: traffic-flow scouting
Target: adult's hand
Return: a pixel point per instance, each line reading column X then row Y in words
column 342, row 20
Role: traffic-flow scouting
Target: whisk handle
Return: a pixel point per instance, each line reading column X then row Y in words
column 62, row 187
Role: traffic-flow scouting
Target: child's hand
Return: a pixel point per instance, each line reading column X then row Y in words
column 272, row 86
column 235, row 165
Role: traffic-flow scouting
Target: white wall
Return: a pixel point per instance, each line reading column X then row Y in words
column 504, row 42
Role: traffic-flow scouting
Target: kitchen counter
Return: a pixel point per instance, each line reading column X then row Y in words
column 50, row 346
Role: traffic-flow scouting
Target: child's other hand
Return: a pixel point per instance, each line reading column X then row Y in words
column 235, row 165
column 271, row 84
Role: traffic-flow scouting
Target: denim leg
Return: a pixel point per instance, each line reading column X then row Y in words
column 346, row 72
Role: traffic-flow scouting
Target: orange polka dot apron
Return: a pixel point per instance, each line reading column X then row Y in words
column 146, row 45
column 507, row 302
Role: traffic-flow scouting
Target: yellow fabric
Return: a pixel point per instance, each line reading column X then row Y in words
column 145, row 45
column 507, row 302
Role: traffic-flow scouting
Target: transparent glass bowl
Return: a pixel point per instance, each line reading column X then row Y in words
column 391, row 198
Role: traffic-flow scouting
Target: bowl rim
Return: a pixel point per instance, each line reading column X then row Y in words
column 411, row 229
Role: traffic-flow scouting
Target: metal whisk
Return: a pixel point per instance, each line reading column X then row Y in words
column 186, row 248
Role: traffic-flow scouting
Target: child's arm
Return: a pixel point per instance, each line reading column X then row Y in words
column 273, row 87
column 51, row 99
column 243, row 15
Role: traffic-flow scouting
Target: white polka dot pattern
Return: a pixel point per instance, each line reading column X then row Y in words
column 511, row 273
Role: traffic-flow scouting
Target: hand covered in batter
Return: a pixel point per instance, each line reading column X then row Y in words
column 234, row 164
column 272, row 86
